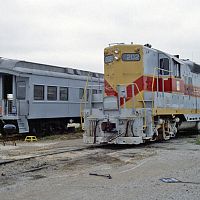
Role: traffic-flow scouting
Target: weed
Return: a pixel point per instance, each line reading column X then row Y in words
column 198, row 140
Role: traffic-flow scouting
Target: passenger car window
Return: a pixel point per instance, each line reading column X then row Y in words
column 38, row 92
column 81, row 93
column 21, row 90
column 52, row 93
column 64, row 93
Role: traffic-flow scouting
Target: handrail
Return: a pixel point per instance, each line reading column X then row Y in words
column 84, row 97
column 156, row 68
column 145, row 123
column 9, row 107
column 144, row 104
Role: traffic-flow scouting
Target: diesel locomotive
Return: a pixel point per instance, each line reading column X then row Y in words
column 148, row 95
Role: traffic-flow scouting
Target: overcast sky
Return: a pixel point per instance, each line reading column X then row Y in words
column 74, row 33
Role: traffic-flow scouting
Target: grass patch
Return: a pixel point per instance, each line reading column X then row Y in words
column 198, row 141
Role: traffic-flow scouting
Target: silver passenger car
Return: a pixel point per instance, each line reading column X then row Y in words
column 38, row 97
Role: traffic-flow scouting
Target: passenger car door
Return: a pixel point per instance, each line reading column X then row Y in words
column 22, row 97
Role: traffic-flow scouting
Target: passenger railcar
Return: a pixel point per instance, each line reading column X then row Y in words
column 42, row 98
column 149, row 95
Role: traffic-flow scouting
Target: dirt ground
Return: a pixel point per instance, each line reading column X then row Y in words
column 59, row 168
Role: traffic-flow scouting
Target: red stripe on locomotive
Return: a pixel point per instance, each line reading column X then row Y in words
column 144, row 83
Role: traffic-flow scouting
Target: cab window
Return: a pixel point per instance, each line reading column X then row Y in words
column 177, row 70
column 164, row 66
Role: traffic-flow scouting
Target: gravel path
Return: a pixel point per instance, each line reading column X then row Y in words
column 136, row 172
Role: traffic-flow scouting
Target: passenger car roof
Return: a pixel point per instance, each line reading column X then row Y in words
column 19, row 66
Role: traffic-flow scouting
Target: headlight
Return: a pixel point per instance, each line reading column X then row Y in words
column 116, row 51
column 116, row 58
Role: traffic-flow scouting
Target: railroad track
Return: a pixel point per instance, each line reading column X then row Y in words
column 31, row 164
column 28, row 166
column 46, row 153
column 26, row 160
column 61, row 150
